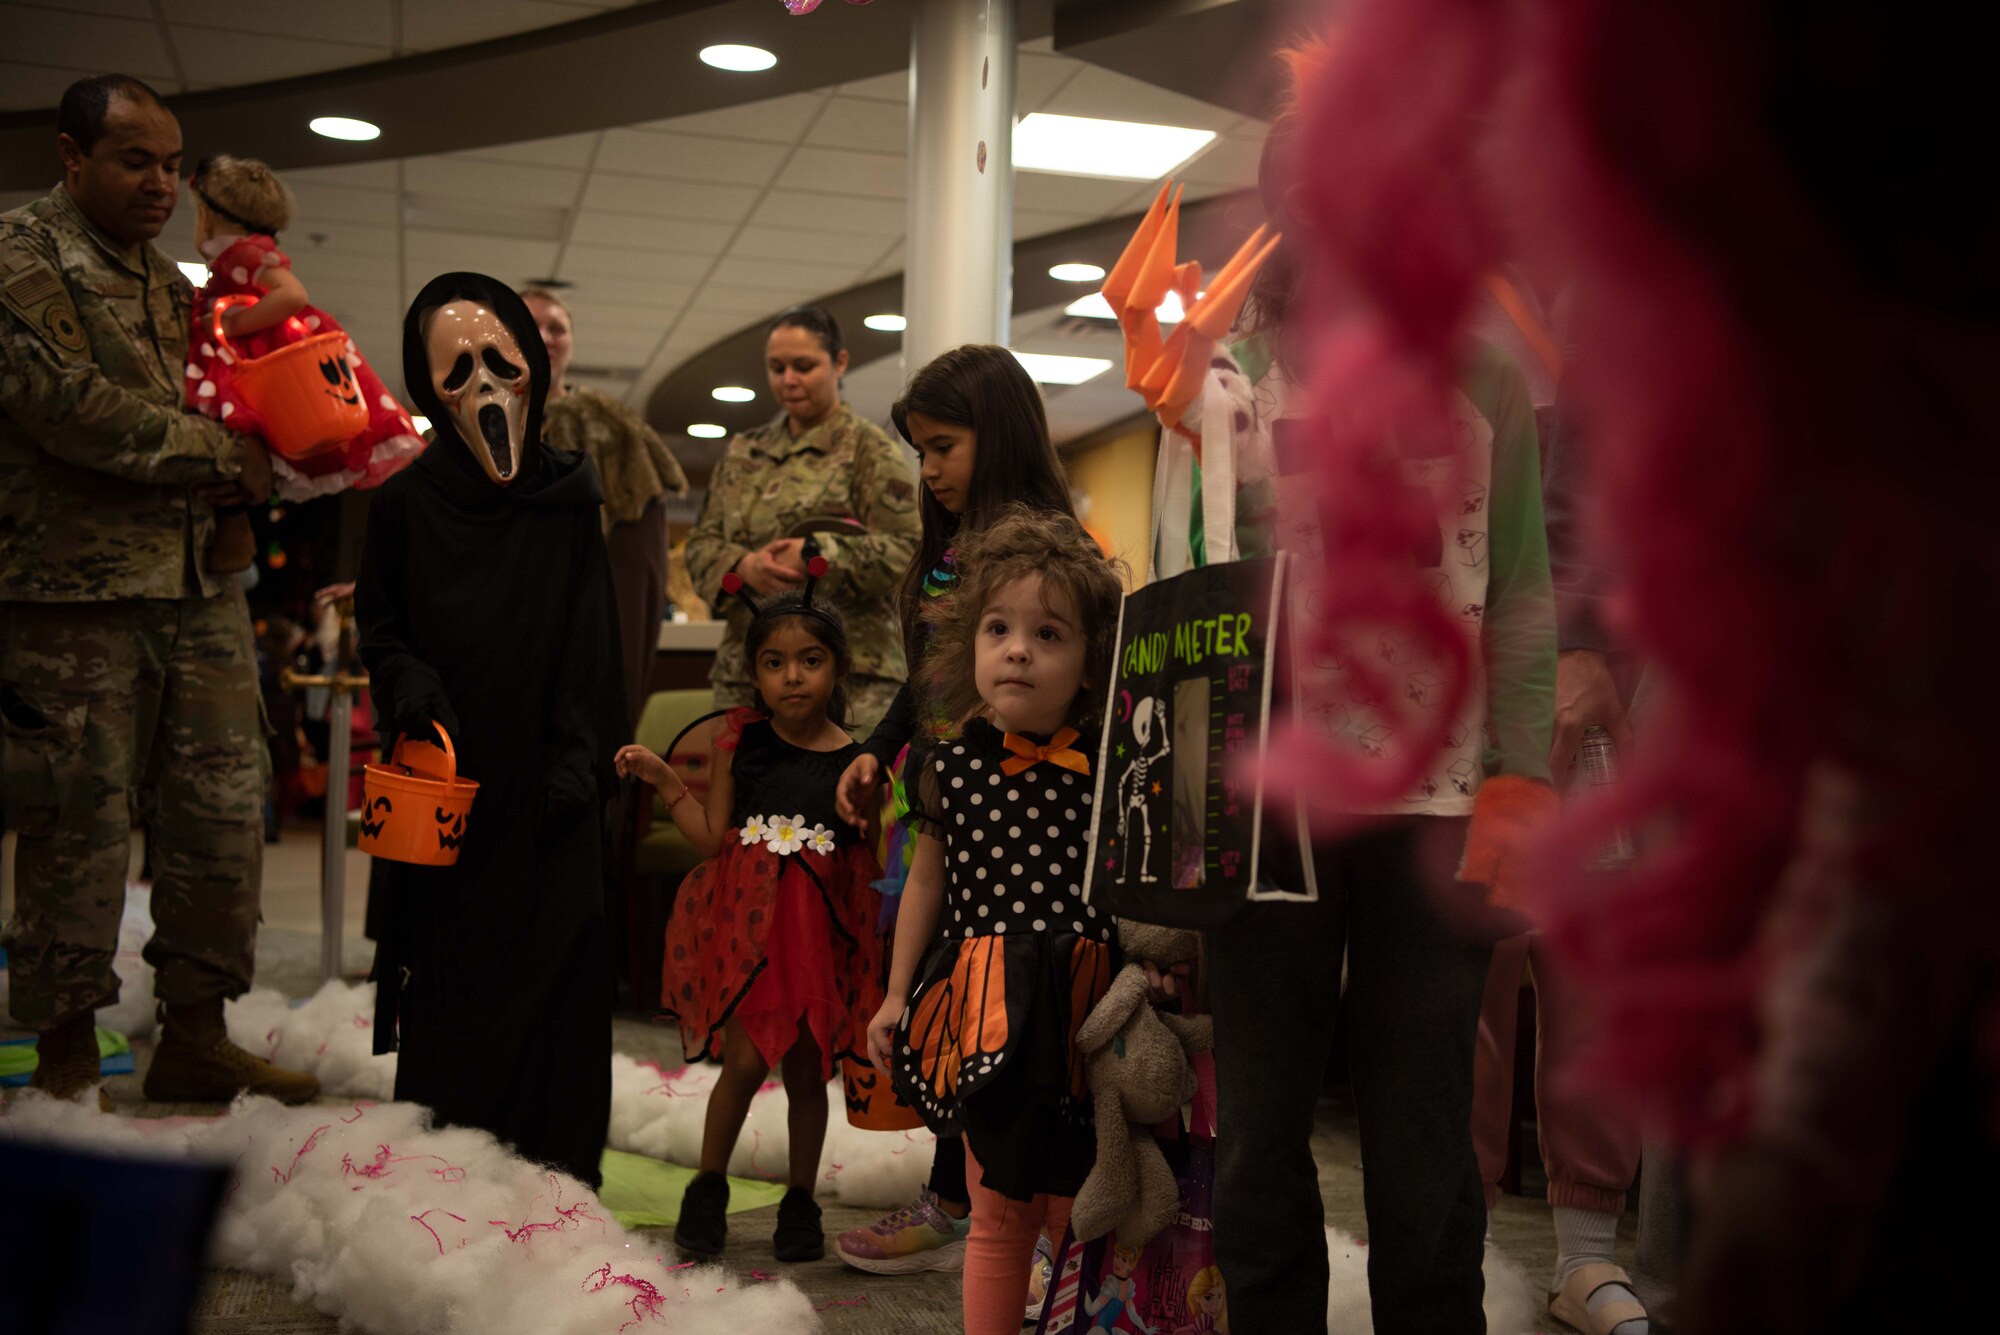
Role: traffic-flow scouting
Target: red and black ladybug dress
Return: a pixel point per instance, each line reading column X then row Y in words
column 386, row 445
column 780, row 924
column 987, row 1045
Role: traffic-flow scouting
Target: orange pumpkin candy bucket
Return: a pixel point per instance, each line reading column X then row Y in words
column 305, row 392
column 414, row 809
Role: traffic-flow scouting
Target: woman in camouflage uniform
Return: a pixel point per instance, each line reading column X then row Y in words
column 817, row 459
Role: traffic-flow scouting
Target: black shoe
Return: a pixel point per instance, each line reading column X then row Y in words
column 798, row 1237
column 704, row 1222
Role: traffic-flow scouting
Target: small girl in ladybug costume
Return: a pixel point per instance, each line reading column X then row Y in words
column 772, row 956
column 240, row 207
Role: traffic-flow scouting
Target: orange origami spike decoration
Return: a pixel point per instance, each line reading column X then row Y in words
column 1167, row 371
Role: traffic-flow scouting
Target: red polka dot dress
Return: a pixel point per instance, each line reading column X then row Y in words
column 388, row 443
column 987, row 1044
column 780, row 925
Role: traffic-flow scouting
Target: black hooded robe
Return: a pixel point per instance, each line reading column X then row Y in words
column 494, row 975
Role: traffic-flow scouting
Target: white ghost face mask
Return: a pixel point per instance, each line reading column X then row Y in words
column 478, row 371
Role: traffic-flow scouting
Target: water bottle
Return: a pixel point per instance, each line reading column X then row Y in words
column 1599, row 760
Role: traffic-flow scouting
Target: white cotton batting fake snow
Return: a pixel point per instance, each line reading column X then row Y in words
column 654, row 1111
column 1510, row 1299
column 394, row 1228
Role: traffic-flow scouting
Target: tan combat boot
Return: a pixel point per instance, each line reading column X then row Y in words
column 234, row 546
column 196, row 1063
column 66, row 1061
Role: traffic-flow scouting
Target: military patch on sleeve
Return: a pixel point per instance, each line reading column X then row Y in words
column 40, row 299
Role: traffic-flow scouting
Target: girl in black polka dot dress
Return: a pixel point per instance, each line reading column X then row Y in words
column 998, row 959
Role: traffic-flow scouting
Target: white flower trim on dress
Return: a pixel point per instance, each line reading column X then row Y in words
column 754, row 831
column 819, row 839
column 787, row 834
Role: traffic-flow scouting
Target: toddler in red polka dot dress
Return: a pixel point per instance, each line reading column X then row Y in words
column 240, row 207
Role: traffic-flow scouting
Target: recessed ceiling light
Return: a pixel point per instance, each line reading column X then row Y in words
column 1076, row 273
column 888, row 324
column 1122, row 150
column 345, row 127
column 732, row 393
column 196, row 273
column 421, row 422
column 1095, row 307
column 738, row 59
column 1050, row 369
column 707, row 430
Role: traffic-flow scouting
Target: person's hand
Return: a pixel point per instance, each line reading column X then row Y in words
column 414, row 718
column 1162, row 988
column 637, row 762
column 861, row 780
column 1586, row 697
column 567, row 792
column 766, row 576
column 882, row 1031
column 328, row 596
column 250, row 487
column 789, row 554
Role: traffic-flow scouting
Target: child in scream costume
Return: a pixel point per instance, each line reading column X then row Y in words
column 981, row 1037
column 772, row 957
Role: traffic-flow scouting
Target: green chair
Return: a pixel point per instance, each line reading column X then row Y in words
column 659, row 855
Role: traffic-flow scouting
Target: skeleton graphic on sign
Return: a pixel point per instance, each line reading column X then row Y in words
column 1148, row 716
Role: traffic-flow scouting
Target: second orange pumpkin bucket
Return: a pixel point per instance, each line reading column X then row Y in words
column 414, row 809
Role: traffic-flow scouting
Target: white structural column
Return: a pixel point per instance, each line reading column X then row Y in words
column 958, row 259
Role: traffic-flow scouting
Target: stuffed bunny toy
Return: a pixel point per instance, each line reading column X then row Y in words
column 1137, row 1060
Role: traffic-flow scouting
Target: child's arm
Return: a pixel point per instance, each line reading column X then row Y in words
column 916, row 926
column 704, row 827
column 284, row 296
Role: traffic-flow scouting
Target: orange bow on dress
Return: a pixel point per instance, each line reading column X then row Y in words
column 1058, row 752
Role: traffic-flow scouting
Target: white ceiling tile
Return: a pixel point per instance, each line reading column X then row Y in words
column 1230, row 162
column 787, row 243
column 363, row 22
column 1108, row 96
column 893, row 87
column 124, row 9
column 563, row 150
column 335, row 203
column 317, row 267
column 856, row 123
column 500, row 182
column 615, row 262
column 429, row 25
column 86, row 41
column 716, row 303
column 840, row 171
column 668, row 199
column 1036, row 79
column 839, row 213
column 428, row 254
column 372, row 175
column 688, row 157
column 1088, row 196
column 624, row 301
column 785, row 276
column 647, row 232
column 776, row 120
column 218, row 55
column 1030, row 222
column 37, row 88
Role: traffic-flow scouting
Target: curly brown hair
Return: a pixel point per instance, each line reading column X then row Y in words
column 1019, row 541
column 247, row 189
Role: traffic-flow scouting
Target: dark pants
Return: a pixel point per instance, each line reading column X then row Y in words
column 1413, row 995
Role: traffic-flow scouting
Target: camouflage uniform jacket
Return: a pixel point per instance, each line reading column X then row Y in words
column 97, row 459
column 767, row 483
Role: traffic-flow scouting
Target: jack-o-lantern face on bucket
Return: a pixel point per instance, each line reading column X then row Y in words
column 339, row 378
column 450, row 828
column 375, row 816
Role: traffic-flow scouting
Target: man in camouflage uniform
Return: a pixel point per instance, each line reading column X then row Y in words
column 767, row 485
column 123, row 665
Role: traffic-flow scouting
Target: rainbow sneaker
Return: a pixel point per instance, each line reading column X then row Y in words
column 920, row 1236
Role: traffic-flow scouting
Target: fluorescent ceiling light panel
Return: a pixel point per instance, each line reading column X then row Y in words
column 1049, row 369
column 196, row 273
column 707, row 430
column 345, row 127
column 1122, row 150
column 888, row 324
column 738, row 59
column 1076, row 273
column 1095, row 307
column 732, row 394
column 421, row 422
